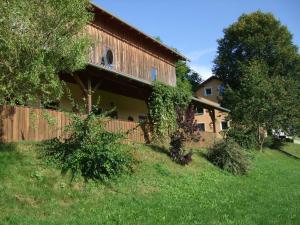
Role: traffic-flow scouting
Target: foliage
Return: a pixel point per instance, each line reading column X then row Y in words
column 90, row 150
column 39, row 41
column 262, row 103
column 229, row 156
column 162, row 104
column 260, row 65
column 242, row 135
column 187, row 77
column 256, row 36
column 186, row 132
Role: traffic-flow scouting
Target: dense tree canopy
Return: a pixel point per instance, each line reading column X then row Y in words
column 260, row 66
column 38, row 41
column 256, row 36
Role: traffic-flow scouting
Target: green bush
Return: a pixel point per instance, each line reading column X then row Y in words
column 90, row 150
column 229, row 155
column 244, row 137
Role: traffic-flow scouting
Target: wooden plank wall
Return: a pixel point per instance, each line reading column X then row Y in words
column 128, row 58
column 31, row 124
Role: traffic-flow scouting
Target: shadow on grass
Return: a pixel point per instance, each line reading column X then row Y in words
column 8, row 156
column 159, row 149
column 8, row 147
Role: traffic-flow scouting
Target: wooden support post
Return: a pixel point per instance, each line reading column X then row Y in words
column 89, row 96
column 212, row 115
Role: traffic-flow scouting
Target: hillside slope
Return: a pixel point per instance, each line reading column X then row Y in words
column 159, row 192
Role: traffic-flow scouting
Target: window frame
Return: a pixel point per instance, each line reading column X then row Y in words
column 151, row 73
column 221, row 125
column 204, row 130
column 197, row 113
column 211, row 91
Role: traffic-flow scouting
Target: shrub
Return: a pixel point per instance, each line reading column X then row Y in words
column 90, row 150
column 186, row 132
column 229, row 156
column 244, row 137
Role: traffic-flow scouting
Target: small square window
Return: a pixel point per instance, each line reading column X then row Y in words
column 201, row 126
column 199, row 110
column 224, row 125
column 207, row 92
column 154, row 74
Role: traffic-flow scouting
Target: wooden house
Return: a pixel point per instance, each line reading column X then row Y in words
column 123, row 63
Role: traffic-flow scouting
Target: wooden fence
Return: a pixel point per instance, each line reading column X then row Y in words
column 33, row 124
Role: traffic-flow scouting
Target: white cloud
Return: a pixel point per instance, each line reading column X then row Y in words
column 196, row 55
column 204, row 71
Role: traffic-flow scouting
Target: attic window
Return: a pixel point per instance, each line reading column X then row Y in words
column 153, row 74
column 207, row 91
column 108, row 58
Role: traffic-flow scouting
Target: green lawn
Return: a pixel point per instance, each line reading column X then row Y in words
column 293, row 149
column 159, row 192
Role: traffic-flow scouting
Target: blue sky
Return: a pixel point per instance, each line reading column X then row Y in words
column 193, row 26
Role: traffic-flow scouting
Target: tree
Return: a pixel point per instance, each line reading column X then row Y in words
column 185, row 132
column 39, row 41
column 256, row 36
column 186, row 75
column 264, row 103
column 260, row 66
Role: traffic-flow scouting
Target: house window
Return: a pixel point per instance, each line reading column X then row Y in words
column 201, row 126
column 130, row 118
column 108, row 58
column 153, row 74
column 207, row 91
column 224, row 125
column 199, row 110
column 142, row 118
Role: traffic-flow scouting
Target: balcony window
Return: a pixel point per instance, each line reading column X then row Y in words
column 153, row 74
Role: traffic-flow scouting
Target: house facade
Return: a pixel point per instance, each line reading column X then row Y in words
column 214, row 120
column 123, row 64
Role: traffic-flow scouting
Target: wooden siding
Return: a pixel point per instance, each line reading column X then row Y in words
column 30, row 124
column 129, row 58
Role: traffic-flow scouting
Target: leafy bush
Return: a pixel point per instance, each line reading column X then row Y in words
column 228, row 155
column 90, row 150
column 186, row 132
column 244, row 137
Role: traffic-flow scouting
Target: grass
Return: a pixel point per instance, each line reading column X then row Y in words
column 159, row 192
column 293, row 149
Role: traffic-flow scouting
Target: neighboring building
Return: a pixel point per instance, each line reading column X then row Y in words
column 211, row 91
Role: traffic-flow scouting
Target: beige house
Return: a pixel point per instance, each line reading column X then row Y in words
column 211, row 120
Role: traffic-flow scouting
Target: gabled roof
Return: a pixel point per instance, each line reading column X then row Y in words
column 127, row 26
column 207, row 80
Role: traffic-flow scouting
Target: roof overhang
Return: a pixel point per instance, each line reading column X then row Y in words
column 209, row 104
